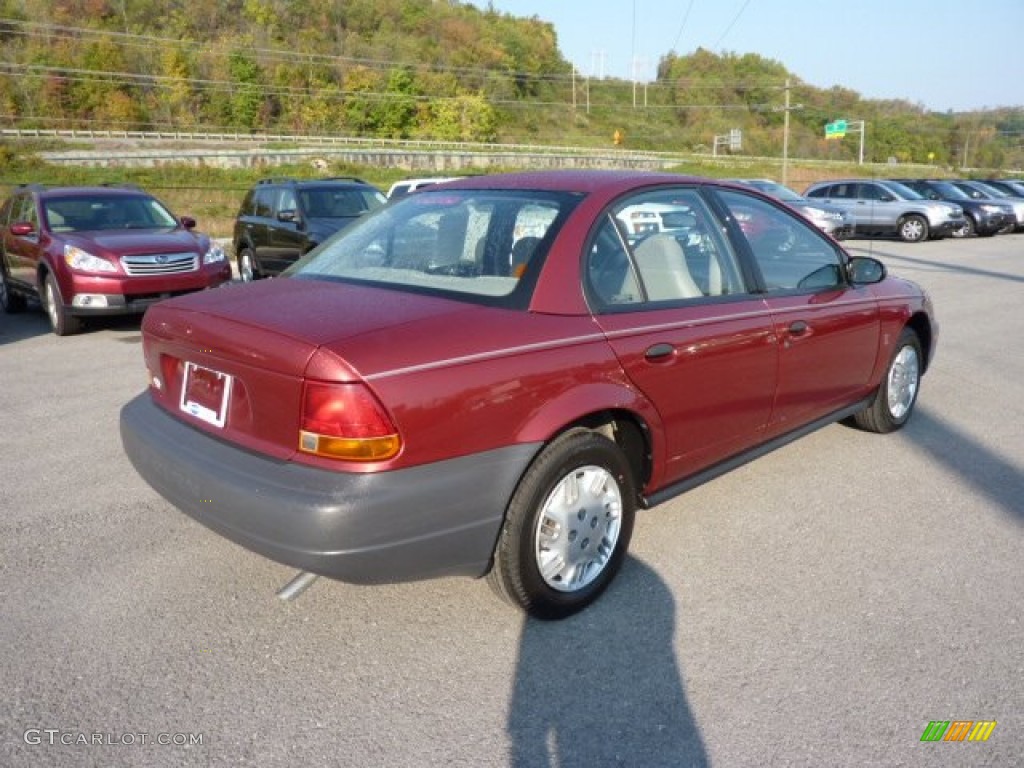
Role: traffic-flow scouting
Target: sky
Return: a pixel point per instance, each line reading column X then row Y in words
column 944, row 55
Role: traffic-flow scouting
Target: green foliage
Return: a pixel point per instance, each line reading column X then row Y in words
column 431, row 70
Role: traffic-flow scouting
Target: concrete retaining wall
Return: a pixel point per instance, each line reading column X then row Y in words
column 436, row 161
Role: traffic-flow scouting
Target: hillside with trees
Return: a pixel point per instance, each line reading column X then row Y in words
column 430, row 69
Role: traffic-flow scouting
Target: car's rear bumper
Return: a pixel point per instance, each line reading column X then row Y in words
column 435, row 520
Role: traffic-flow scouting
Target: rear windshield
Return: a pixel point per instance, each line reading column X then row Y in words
column 482, row 245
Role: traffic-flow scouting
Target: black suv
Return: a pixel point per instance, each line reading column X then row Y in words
column 282, row 219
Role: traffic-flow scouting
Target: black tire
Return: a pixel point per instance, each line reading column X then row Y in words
column 913, row 228
column 12, row 303
column 552, row 566
column 247, row 271
column 62, row 321
column 894, row 401
column 969, row 229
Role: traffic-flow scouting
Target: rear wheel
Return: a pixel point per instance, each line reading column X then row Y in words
column 897, row 394
column 913, row 228
column 11, row 302
column 567, row 527
column 62, row 321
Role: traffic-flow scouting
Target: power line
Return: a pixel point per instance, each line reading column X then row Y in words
column 731, row 25
column 682, row 26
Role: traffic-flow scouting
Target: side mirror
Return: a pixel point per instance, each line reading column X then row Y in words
column 22, row 228
column 864, row 270
column 886, row 198
column 188, row 222
column 289, row 214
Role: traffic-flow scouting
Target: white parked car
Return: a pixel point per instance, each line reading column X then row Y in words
column 407, row 186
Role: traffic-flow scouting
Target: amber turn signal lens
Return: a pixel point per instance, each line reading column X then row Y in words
column 346, row 421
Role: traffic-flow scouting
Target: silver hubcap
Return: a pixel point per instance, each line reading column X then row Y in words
column 51, row 303
column 903, row 379
column 3, row 291
column 578, row 528
column 245, row 268
column 913, row 229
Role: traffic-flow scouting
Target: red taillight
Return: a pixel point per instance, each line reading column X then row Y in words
column 345, row 421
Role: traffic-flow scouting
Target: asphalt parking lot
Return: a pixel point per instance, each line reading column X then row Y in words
column 818, row 607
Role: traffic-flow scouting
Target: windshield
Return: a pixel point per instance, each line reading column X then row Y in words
column 777, row 191
column 989, row 190
column 327, row 202
column 902, row 190
column 481, row 244
column 80, row 213
column 951, row 192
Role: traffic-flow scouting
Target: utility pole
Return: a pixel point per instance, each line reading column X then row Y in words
column 786, row 109
column 785, row 138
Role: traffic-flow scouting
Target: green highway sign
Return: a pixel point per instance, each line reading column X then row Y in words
column 835, row 130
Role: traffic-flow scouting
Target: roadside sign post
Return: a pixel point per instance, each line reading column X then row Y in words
column 733, row 140
column 839, row 128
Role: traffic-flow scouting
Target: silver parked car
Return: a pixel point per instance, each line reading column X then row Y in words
column 889, row 208
column 830, row 219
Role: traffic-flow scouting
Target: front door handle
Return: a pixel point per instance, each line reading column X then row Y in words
column 798, row 328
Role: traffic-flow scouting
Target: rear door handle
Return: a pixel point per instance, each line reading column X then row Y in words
column 659, row 352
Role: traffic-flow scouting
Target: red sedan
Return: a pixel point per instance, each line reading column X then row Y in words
column 491, row 377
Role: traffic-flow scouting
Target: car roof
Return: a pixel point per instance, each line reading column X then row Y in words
column 87, row 191
column 583, row 181
column 336, row 181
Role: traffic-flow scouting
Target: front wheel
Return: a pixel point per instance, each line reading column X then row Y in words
column 567, row 527
column 11, row 302
column 62, row 321
column 897, row 394
column 247, row 265
column 967, row 230
column 913, row 229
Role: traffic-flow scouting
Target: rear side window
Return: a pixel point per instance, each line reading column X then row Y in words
column 655, row 247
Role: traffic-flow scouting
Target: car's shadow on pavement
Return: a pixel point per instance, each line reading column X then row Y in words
column 993, row 476
column 604, row 687
column 23, row 325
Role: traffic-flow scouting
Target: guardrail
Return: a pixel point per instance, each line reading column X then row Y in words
column 610, row 156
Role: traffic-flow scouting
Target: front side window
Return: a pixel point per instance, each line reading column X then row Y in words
column 791, row 255
column 265, row 201
column 25, row 210
column 483, row 244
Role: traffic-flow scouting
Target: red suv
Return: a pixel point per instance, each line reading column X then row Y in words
column 99, row 251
